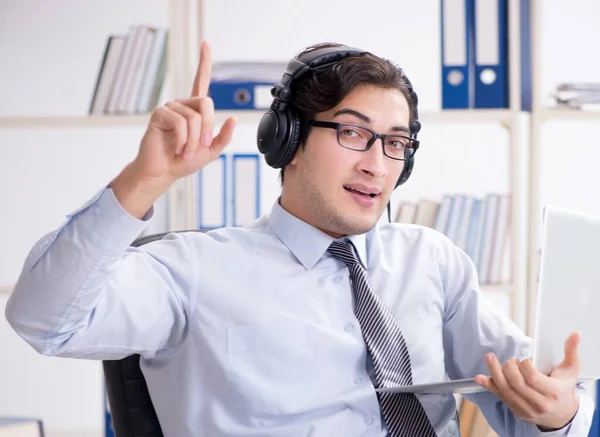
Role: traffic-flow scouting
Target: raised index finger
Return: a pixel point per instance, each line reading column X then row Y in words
column 202, row 79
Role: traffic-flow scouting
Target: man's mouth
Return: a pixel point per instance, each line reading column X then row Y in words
column 362, row 191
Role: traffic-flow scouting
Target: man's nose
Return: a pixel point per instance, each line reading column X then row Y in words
column 374, row 160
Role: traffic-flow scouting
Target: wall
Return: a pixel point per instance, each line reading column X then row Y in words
column 51, row 52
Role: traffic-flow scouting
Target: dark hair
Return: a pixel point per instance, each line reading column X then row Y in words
column 326, row 88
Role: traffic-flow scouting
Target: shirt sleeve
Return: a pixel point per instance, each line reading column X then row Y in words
column 84, row 292
column 474, row 327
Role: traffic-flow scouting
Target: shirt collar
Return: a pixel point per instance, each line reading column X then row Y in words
column 307, row 243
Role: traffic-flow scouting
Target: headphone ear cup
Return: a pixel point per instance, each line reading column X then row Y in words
column 277, row 137
column 270, row 134
column 406, row 171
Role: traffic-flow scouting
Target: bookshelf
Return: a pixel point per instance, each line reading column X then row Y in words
column 512, row 119
column 187, row 26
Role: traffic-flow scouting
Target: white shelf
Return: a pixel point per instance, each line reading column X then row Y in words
column 446, row 116
column 108, row 120
column 248, row 116
column 568, row 114
column 242, row 116
column 74, row 121
column 467, row 116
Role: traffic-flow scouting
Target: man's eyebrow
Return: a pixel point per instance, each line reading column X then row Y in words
column 367, row 119
column 400, row 129
column 357, row 114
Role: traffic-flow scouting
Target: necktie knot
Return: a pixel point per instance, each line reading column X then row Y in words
column 344, row 251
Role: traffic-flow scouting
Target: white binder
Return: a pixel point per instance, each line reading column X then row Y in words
column 212, row 195
column 246, row 188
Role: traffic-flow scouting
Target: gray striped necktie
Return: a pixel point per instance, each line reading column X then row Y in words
column 403, row 413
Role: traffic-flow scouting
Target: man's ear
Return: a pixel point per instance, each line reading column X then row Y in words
column 299, row 150
column 302, row 142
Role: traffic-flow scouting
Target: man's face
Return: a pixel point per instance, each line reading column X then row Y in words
column 328, row 181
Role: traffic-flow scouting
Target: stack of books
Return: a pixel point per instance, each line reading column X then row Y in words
column 578, row 95
column 479, row 227
column 132, row 72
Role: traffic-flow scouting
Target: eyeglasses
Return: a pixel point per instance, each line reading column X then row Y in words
column 356, row 137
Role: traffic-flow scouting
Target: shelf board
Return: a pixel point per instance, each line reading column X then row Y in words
column 568, row 114
column 109, row 120
column 445, row 116
column 244, row 116
column 74, row 121
column 467, row 116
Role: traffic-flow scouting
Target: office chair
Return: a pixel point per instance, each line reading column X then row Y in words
column 131, row 408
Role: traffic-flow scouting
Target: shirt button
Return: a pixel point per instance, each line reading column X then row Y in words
column 349, row 327
column 368, row 420
column 337, row 278
column 358, row 380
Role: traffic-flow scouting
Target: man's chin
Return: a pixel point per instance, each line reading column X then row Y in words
column 354, row 219
column 360, row 226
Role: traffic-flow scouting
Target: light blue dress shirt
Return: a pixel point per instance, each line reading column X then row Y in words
column 251, row 331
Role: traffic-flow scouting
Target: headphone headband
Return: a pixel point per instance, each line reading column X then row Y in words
column 309, row 62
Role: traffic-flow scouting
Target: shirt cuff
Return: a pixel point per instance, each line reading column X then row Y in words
column 112, row 226
column 562, row 432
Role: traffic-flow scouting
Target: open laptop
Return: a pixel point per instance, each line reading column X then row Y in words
column 568, row 299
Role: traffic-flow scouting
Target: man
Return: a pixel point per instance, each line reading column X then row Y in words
column 285, row 327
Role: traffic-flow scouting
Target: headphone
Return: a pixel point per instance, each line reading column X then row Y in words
column 279, row 130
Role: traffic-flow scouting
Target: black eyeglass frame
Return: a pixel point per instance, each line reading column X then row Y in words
column 376, row 136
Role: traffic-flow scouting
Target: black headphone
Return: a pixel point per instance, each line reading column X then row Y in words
column 279, row 130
